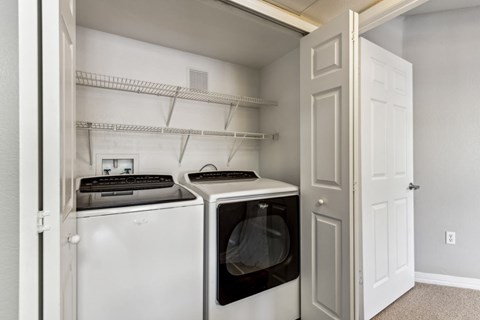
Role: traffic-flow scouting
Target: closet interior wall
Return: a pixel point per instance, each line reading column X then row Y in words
column 280, row 81
column 110, row 54
column 389, row 35
column 9, row 159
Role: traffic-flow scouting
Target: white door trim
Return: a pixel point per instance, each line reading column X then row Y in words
column 276, row 13
column 58, row 116
column 29, row 166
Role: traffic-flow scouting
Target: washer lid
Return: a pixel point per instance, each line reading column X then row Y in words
column 212, row 191
column 129, row 190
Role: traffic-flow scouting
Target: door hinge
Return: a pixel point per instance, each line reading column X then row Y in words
column 360, row 277
column 355, row 185
column 41, row 226
column 354, row 36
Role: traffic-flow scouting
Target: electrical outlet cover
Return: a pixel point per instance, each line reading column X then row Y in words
column 450, row 237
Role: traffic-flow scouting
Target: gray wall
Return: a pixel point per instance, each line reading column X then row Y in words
column 445, row 51
column 9, row 160
column 388, row 36
column 280, row 81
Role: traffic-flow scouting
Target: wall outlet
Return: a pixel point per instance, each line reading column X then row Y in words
column 449, row 237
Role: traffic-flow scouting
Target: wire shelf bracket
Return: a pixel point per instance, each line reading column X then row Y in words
column 183, row 147
column 172, row 106
column 90, row 153
column 231, row 112
column 233, row 151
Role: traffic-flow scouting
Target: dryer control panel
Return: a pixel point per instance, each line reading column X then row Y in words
column 216, row 176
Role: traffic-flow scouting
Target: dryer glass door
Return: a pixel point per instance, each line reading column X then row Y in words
column 258, row 246
column 257, row 243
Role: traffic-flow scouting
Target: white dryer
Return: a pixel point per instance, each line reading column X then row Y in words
column 252, row 246
column 141, row 253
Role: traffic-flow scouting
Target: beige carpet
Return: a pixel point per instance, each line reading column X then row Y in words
column 431, row 302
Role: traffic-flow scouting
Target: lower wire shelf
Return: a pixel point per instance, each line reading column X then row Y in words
column 168, row 130
column 94, row 126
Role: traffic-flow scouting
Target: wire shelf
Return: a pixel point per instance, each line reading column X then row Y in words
column 89, row 79
column 93, row 126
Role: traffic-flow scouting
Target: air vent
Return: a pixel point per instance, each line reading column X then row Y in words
column 198, row 79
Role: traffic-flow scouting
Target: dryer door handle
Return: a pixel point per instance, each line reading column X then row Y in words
column 263, row 205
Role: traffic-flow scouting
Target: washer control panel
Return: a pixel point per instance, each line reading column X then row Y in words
column 126, row 182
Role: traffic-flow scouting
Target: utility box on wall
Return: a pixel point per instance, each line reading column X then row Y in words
column 114, row 164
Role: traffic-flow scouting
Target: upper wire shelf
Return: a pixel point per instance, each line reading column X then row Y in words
column 158, row 89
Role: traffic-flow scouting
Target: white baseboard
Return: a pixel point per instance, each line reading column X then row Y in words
column 450, row 281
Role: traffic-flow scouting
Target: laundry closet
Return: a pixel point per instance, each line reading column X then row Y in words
column 148, row 108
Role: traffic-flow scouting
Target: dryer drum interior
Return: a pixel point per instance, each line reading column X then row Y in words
column 258, row 246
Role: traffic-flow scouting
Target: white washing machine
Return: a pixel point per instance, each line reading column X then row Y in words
column 252, row 246
column 141, row 249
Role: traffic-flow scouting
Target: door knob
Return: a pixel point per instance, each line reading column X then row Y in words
column 320, row 202
column 74, row 239
column 412, row 186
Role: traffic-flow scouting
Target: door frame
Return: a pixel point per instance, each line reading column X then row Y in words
column 29, row 168
column 385, row 11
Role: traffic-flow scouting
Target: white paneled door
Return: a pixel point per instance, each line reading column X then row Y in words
column 386, row 172
column 59, row 243
column 328, row 60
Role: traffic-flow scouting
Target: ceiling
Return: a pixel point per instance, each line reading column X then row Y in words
column 218, row 30
column 206, row 27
